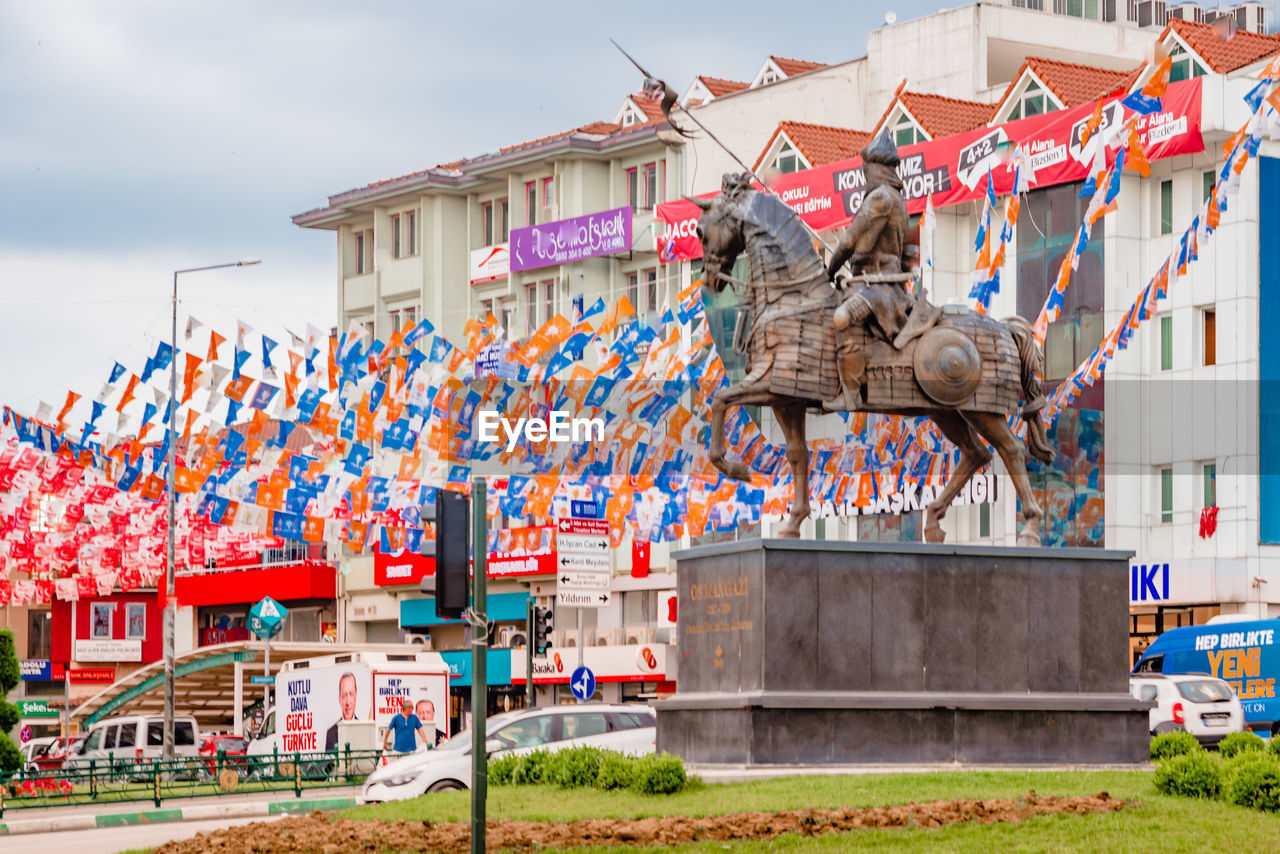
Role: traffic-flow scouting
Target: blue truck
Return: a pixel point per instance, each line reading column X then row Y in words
column 1244, row 654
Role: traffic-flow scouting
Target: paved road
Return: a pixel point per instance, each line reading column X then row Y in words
column 110, row 840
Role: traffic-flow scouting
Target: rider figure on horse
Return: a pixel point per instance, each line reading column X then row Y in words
column 875, row 248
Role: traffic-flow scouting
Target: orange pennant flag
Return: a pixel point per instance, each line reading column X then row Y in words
column 215, row 340
column 333, row 364
column 1159, row 81
column 236, row 388
column 72, row 397
column 189, row 376
column 1137, row 159
column 128, row 393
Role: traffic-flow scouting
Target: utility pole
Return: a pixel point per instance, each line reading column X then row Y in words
column 479, row 678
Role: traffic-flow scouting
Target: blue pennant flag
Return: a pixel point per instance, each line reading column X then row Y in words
column 267, row 346
column 1141, row 104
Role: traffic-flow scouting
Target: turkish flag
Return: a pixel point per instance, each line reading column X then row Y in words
column 639, row 559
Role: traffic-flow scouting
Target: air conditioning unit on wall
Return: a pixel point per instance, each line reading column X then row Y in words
column 416, row 639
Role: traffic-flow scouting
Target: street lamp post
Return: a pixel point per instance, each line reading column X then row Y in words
column 170, row 611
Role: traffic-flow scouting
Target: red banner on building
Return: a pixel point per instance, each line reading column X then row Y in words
column 953, row 169
column 404, row 567
column 522, row 551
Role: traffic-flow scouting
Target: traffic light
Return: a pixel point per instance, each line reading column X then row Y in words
column 542, row 626
column 452, row 570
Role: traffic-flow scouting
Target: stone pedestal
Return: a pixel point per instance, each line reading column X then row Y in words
column 800, row 652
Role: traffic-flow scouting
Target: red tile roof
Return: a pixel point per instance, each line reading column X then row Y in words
column 652, row 106
column 820, row 144
column 718, row 86
column 1223, row 55
column 938, row 116
column 601, row 128
column 792, row 67
column 1074, row 84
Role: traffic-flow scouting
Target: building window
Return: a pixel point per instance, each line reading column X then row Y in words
column 1207, row 181
column 412, row 218
column 1166, row 207
column 364, row 252
column 505, row 317
column 1209, row 472
column 548, row 192
column 633, row 290
column 548, row 300
column 788, row 159
column 1166, row 496
column 650, row 185
column 100, row 615
column 1032, row 102
column 530, row 309
column 662, row 182
column 769, row 76
column 651, row 288
column 633, row 188
column 487, row 223
column 905, row 132
column 135, row 620
column 639, row 608
column 531, row 201
column 984, row 520
column 1183, row 67
column 1210, row 336
column 395, row 235
column 1166, row 342
column 504, row 219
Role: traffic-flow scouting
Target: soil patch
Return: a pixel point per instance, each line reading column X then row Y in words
column 315, row 832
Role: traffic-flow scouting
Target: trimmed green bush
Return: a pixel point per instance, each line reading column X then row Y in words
column 659, row 775
column 10, row 756
column 615, row 772
column 1253, row 780
column 500, row 770
column 1274, row 746
column 575, row 769
column 1172, row 744
column 531, row 768
column 1192, row 775
column 1240, row 742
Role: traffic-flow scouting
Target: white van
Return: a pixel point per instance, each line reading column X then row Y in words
column 135, row 738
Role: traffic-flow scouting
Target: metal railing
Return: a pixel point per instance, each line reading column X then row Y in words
column 115, row 780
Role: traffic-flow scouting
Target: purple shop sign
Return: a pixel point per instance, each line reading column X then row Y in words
column 566, row 240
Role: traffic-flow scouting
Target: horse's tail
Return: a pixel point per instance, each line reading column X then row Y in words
column 1032, row 363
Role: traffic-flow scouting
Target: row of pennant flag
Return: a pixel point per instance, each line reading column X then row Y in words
column 344, row 439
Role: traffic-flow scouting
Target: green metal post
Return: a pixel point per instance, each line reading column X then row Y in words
column 530, row 699
column 93, row 780
column 155, row 783
column 297, row 775
column 479, row 678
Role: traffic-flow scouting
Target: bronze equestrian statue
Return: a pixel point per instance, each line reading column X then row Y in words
column 867, row 344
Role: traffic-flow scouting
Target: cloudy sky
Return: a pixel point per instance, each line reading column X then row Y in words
column 142, row 137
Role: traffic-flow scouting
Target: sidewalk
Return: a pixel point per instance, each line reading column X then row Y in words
column 88, row 816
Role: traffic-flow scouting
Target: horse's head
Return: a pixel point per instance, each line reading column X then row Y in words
column 720, row 229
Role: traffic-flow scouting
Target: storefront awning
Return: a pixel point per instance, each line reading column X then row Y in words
column 497, row 665
column 418, row 613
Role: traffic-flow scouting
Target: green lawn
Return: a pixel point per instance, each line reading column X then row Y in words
column 1157, row 822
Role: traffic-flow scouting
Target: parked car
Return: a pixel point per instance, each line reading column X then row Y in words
column 1243, row 652
column 1201, row 705
column 134, row 739
column 52, row 756
column 626, row 728
column 34, row 750
column 231, row 746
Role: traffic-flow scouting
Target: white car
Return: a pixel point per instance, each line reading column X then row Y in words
column 1201, row 705
column 34, row 749
column 625, row 728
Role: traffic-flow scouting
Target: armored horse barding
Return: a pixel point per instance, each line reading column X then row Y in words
column 965, row 373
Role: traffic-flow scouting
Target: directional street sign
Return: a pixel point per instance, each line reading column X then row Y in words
column 582, row 558
column 574, row 579
column 581, row 598
column 585, row 561
column 582, row 543
column 267, row 618
column 597, row 527
column 262, row 680
column 583, row 684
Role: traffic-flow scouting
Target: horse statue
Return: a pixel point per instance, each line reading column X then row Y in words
column 878, row 348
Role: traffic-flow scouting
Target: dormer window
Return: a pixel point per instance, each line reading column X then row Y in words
column 770, row 76
column 905, row 132
column 628, row 119
column 788, row 159
column 1032, row 102
column 1184, row 67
